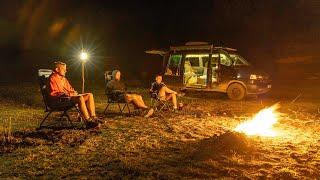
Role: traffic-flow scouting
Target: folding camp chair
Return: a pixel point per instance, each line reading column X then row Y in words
column 157, row 103
column 113, row 97
column 63, row 106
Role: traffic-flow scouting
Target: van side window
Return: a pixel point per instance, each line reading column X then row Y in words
column 196, row 69
column 173, row 66
column 194, row 61
column 214, row 60
column 225, row 60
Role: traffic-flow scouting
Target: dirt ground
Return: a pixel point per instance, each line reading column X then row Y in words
column 197, row 142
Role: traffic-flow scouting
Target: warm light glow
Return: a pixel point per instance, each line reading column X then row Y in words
column 83, row 56
column 262, row 123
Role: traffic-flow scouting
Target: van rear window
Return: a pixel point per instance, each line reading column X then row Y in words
column 173, row 66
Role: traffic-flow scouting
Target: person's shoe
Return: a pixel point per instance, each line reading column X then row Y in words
column 92, row 124
column 98, row 120
column 149, row 113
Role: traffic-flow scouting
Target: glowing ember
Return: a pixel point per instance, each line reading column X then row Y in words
column 262, row 123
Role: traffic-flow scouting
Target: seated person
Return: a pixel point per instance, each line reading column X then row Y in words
column 119, row 89
column 163, row 92
column 168, row 71
column 190, row 76
column 60, row 88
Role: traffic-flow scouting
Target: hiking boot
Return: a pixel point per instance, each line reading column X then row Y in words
column 100, row 121
column 92, row 124
column 97, row 119
column 149, row 113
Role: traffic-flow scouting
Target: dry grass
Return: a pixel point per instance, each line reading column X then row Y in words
column 196, row 142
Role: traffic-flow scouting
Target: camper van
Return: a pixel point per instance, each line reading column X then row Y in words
column 200, row 66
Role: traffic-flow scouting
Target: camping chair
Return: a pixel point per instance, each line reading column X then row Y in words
column 157, row 103
column 64, row 105
column 112, row 97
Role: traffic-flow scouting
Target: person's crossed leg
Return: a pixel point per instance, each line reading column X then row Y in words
column 138, row 103
column 116, row 85
column 163, row 92
column 167, row 94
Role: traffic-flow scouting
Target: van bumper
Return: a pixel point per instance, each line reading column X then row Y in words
column 258, row 86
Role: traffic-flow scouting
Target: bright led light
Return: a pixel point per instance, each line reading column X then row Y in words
column 83, row 56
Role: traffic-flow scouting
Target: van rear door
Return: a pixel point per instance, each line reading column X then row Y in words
column 226, row 71
column 173, row 71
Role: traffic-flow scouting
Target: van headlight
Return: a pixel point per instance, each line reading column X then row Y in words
column 253, row 76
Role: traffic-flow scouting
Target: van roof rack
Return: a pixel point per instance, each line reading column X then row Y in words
column 192, row 43
column 192, row 46
column 226, row 48
column 199, row 46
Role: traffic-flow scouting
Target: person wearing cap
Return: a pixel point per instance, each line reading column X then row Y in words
column 117, row 87
column 59, row 87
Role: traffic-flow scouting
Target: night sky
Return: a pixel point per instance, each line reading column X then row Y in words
column 272, row 35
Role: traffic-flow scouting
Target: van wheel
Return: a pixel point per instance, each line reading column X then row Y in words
column 236, row 91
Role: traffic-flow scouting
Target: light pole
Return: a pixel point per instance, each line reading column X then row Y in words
column 83, row 58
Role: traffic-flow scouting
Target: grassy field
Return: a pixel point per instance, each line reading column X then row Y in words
column 196, row 142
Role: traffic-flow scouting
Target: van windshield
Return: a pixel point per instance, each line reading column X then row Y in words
column 239, row 60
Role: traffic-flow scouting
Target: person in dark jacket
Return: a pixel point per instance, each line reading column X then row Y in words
column 119, row 89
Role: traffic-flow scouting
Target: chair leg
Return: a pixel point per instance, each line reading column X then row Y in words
column 80, row 117
column 128, row 107
column 105, row 110
column 64, row 114
column 44, row 119
column 167, row 106
column 121, row 110
column 154, row 105
column 162, row 106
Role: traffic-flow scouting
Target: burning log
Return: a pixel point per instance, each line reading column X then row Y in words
column 262, row 123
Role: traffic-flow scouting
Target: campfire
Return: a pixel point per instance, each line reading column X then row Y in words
column 262, row 123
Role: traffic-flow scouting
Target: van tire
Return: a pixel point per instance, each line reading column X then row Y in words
column 236, row 91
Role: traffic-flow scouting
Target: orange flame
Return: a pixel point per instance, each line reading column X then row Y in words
column 262, row 123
